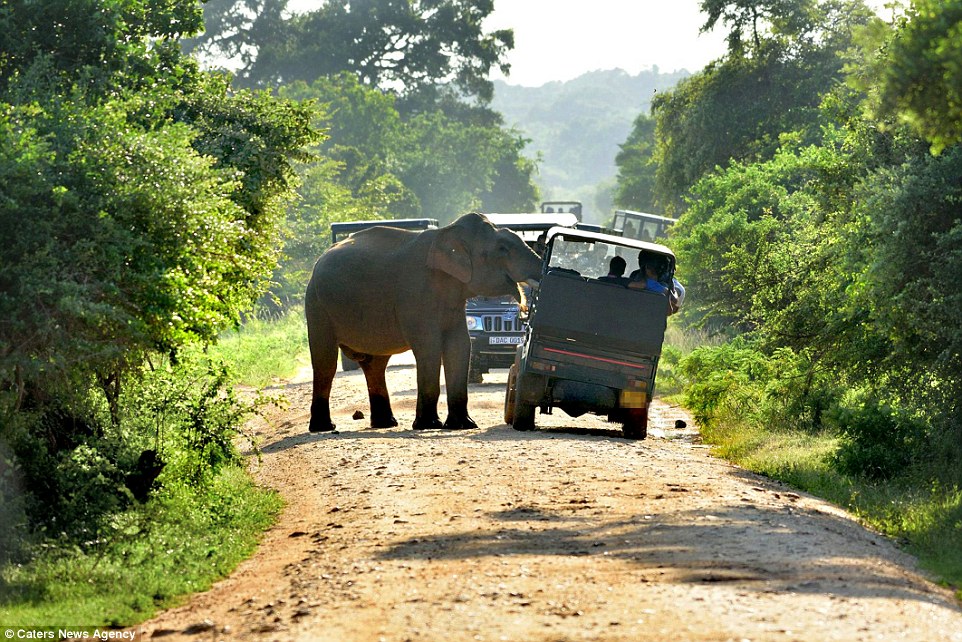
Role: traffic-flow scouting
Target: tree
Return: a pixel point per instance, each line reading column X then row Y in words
column 92, row 41
column 235, row 29
column 149, row 213
column 400, row 45
column 636, row 167
column 922, row 73
column 449, row 165
column 917, row 236
column 751, row 23
column 439, row 161
column 736, row 108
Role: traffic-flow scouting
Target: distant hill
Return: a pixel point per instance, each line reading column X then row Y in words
column 577, row 127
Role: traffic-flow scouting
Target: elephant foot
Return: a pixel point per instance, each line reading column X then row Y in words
column 381, row 415
column 383, row 422
column 427, row 424
column 318, row 425
column 320, row 416
column 459, row 423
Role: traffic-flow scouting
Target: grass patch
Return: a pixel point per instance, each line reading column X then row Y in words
column 176, row 544
column 262, row 351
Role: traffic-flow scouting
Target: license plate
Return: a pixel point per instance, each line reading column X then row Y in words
column 505, row 341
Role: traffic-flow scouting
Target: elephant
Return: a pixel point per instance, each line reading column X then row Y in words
column 384, row 290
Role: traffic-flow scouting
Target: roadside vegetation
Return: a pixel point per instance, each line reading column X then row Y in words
column 265, row 349
column 816, row 172
column 154, row 213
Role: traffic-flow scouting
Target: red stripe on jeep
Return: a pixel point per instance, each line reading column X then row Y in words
column 586, row 356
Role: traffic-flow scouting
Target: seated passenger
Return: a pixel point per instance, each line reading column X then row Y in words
column 616, row 271
column 541, row 244
column 646, row 278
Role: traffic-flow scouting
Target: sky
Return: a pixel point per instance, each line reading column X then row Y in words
column 562, row 39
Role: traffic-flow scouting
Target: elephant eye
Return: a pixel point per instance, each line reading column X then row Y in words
column 503, row 248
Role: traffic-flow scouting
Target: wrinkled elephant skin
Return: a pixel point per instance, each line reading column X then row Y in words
column 385, row 290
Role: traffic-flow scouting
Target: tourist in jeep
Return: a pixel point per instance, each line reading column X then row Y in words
column 616, row 271
column 647, row 277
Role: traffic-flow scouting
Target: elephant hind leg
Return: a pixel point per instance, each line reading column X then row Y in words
column 324, row 364
column 374, row 367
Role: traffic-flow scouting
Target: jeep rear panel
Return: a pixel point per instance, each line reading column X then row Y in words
column 592, row 315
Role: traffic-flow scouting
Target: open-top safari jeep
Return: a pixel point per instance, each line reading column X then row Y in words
column 591, row 345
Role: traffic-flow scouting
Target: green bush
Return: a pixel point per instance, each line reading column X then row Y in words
column 75, row 468
column 178, row 543
column 116, row 514
column 740, row 382
column 724, row 380
column 879, row 441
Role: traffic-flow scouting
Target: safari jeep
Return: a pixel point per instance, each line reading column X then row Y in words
column 591, row 345
column 495, row 324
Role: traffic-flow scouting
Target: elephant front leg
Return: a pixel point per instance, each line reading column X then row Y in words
column 457, row 357
column 429, row 390
column 374, row 371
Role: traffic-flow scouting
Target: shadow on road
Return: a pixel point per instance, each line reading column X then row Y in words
column 693, row 547
column 500, row 432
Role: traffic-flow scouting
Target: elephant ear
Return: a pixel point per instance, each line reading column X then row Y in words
column 449, row 253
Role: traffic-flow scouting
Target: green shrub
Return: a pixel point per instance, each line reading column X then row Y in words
column 879, row 441
column 723, row 381
column 180, row 542
column 112, row 515
column 739, row 382
column 73, row 467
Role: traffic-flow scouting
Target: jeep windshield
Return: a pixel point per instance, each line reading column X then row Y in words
column 589, row 253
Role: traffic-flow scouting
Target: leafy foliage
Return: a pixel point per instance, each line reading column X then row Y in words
column 919, row 242
column 737, row 108
column 408, row 46
column 819, row 244
column 922, row 74
column 636, row 167
column 142, row 204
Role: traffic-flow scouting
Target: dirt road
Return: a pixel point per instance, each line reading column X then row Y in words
column 566, row 533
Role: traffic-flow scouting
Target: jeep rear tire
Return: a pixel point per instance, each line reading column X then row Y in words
column 635, row 424
column 523, row 416
column 509, row 394
column 523, row 410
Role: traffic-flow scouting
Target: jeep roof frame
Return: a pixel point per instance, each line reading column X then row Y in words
column 611, row 239
column 349, row 227
column 532, row 221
